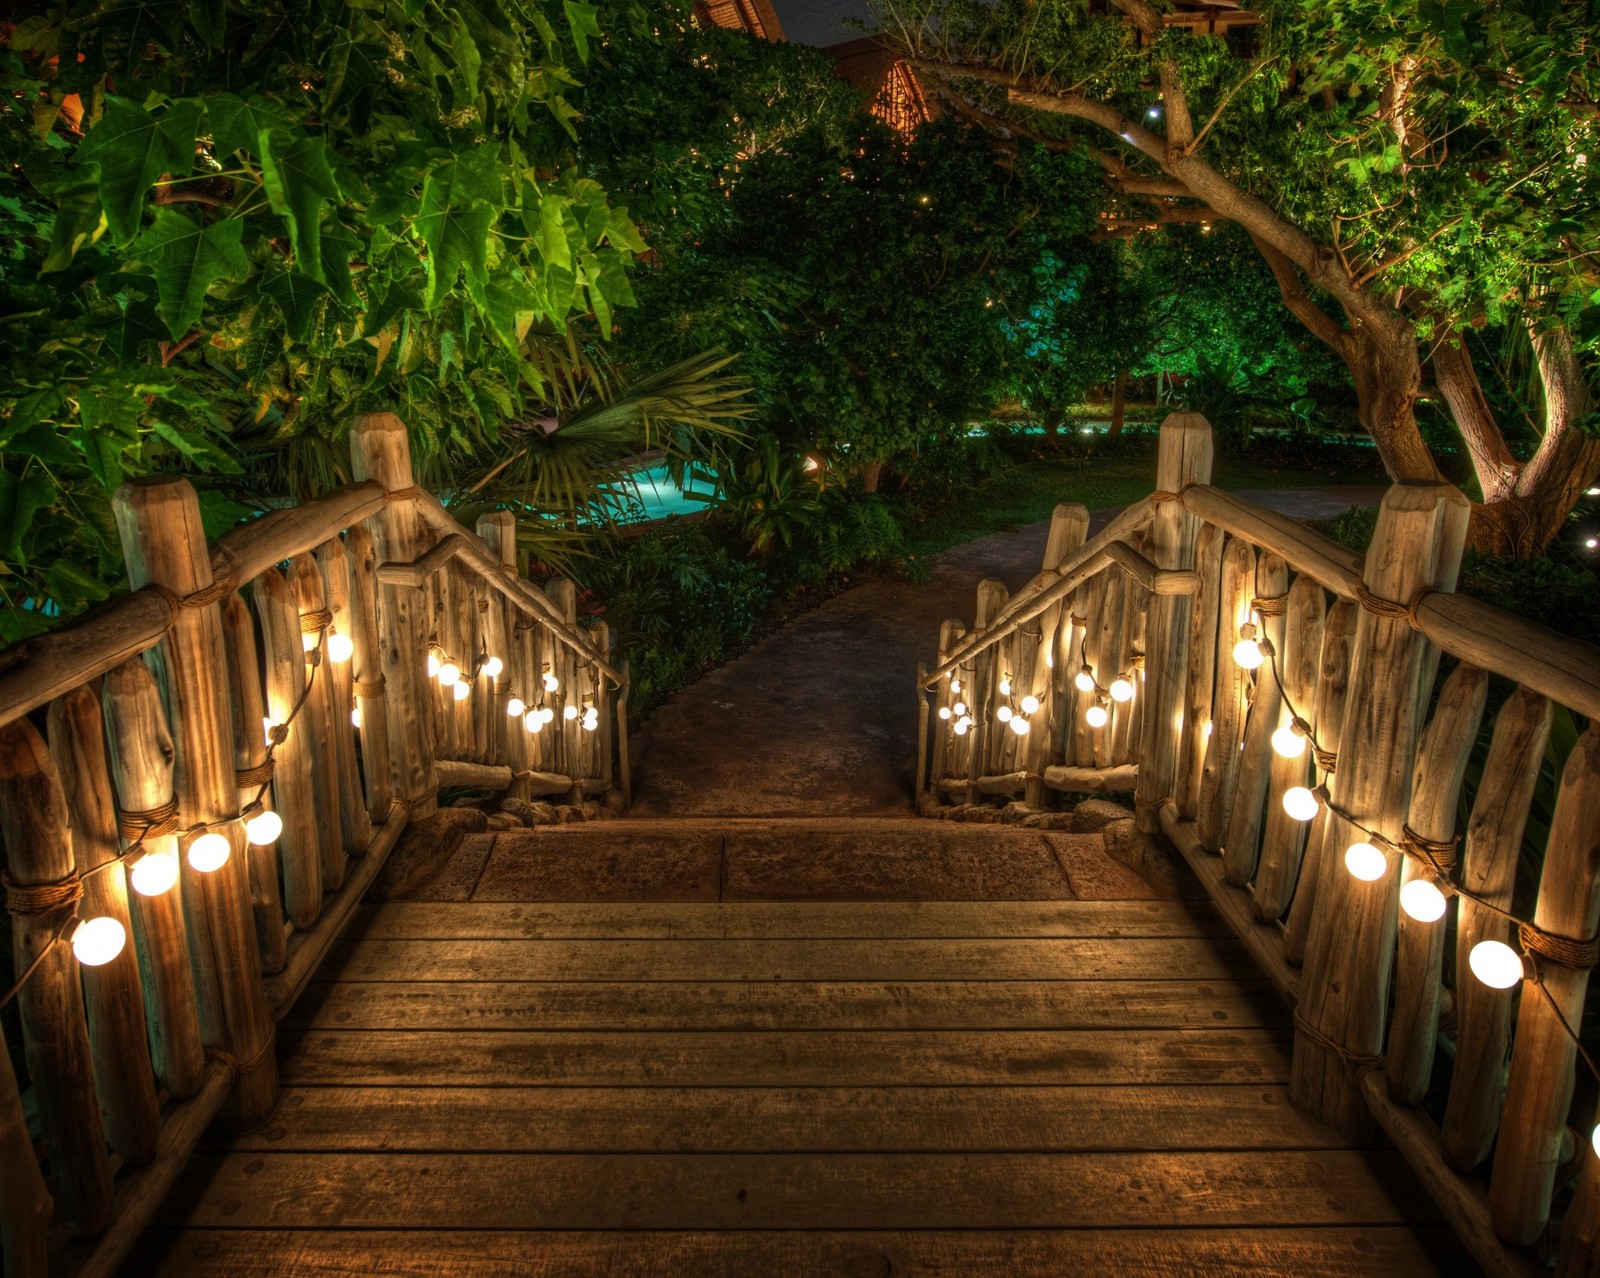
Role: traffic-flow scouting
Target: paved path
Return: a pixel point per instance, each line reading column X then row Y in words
column 821, row 716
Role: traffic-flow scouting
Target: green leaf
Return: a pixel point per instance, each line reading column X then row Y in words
column 21, row 498
column 381, row 313
column 237, row 125
column 623, row 234
column 454, row 223
column 337, row 250
column 581, row 19
column 133, row 148
column 553, row 241
column 80, row 220
column 72, row 587
column 209, row 21
column 197, row 448
column 187, row 259
column 511, row 308
column 102, row 452
column 138, row 324
column 295, row 172
column 297, row 296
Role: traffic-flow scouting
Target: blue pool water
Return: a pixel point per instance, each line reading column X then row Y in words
column 650, row 494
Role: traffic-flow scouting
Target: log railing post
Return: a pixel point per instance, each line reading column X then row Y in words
column 338, row 586
column 164, row 544
column 508, row 739
column 380, row 451
column 1344, row 988
column 1184, row 458
column 1069, row 529
column 25, row 1204
column 315, row 723
column 366, row 672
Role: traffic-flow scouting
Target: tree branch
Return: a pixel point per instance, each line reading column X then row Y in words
column 1457, row 379
column 1322, row 325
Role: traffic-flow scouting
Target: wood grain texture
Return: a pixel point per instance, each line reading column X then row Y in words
column 355, row 823
column 1230, row 701
column 316, row 722
column 1247, row 812
column 1200, row 668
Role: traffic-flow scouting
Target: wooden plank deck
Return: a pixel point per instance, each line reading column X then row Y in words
column 772, row 1088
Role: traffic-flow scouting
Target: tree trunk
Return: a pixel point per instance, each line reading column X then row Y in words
column 870, row 474
column 1119, row 403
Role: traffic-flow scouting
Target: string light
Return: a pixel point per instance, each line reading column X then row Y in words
column 944, row 712
column 1496, row 964
column 516, row 708
column 955, row 684
column 340, row 647
column 99, row 940
column 1289, row 742
column 493, row 666
column 1247, row 654
column 1096, row 716
column 1363, row 860
column 963, row 726
column 154, row 873
column 960, row 708
column 263, row 828
column 355, row 716
column 1301, row 803
column 435, row 660
column 1019, row 725
column 1083, row 680
column 1030, row 705
column 449, row 672
column 1121, row 689
column 309, row 640
column 209, row 852
column 569, row 712
column 1005, row 686
column 460, row 689
column 533, row 721
column 1422, row 900
column 1004, row 714
column 551, row 683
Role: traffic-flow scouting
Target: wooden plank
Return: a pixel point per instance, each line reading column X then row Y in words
column 1360, row 1252
column 787, row 1119
column 754, row 1191
column 1247, row 814
column 798, row 919
column 710, row 960
column 1226, row 728
column 1336, row 567
column 789, row 1005
column 712, row 1058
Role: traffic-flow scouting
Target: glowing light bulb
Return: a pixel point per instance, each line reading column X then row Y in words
column 533, row 721
column 569, row 712
column 355, row 716
column 154, row 873
column 433, row 664
column 1096, row 716
column 1005, row 687
column 546, row 714
column 493, row 667
column 955, row 684
column 98, row 941
column 1289, row 743
column 1030, row 705
column 960, row 708
column 340, row 647
column 1422, row 900
column 1300, row 803
column 944, row 712
column 1019, row 725
column 209, row 852
column 263, row 828
column 1595, row 1139
column 1364, row 861
column 515, row 708
column 461, row 690
column 309, row 641
column 551, row 683
column 1003, row 714
column 1121, row 690
column 590, row 722
column 1083, row 681
column 962, row 725
column 449, row 674
column 1247, row 654
column 266, row 730
column 1496, row 964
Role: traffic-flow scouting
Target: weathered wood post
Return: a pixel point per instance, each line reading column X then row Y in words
column 315, row 724
column 112, row 993
column 1200, row 676
column 1220, row 766
column 164, row 544
column 366, row 672
column 1344, row 989
column 1241, row 843
column 380, row 451
column 334, row 560
column 510, row 742
column 1069, row 529
column 1184, row 458
column 41, row 893
column 25, row 1204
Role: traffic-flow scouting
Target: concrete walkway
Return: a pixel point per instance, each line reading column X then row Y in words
column 820, row 717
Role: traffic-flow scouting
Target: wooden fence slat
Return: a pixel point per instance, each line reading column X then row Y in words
column 1539, row 1087
column 1441, row 768
column 366, row 672
column 141, row 764
column 978, row 689
column 25, row 1203
column 113, row 998
column 1247, row 815
column 1200, row 668
column 1221, row 764
column 248, row 702
column 1069, row 529
column 55, row 1036
column 316, row 722
column 338, row 590
column 1489, row 859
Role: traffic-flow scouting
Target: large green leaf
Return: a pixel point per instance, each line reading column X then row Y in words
column 21, row 498
column 186, row 259
column 460, row 202
column 237, row 125
column 295, row 172
column 581, row 20
column 80, row 219
column 134, row 147
column 297, row 296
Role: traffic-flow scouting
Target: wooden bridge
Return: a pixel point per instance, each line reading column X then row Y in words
column 800, row 1046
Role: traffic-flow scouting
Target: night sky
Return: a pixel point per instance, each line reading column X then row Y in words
column 820, row 21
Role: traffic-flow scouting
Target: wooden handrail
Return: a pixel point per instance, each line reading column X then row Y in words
column 1336, row 567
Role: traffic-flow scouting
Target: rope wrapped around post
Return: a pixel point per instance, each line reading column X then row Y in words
column 151, row 823
column 1381, row 607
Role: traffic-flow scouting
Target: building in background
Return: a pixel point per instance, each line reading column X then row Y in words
column 754, row 17
column 875, row 68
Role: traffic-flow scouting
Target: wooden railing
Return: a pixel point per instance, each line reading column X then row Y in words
column 242, row 739
column 1345, row 711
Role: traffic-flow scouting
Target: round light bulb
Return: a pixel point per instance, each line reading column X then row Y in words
column 449, row 674
column 1019, row 725
column 1300, row 803
column 944, row 712
column 1365, row 861
column 546, row 714
column 1120, row 690
column 590, row 724
column 310, row 639
column 266, row 730
column 433, row 664
column 1595, row 1139
column 263, row 828
column 569, row 712
column 1422, row 900
column 154, row 873
column 551, row 683
column 960, row 708
column 963, row 726
column 355, row 716
column 1005, row 687
column 209, row 852
column 493, row 667
column 1083, row 681
column 1096, row 716
column 1496, row 964
column 955, row 684
column 340, row 647
column 97, row 941
column 1247, row 654
column 533, row 721
column 1030, row 705
column 515, row 708
column 461, row 690
column 1003, row 714
column 1289, row 743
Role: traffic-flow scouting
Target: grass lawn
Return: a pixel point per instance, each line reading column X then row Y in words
column 1029, row 491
